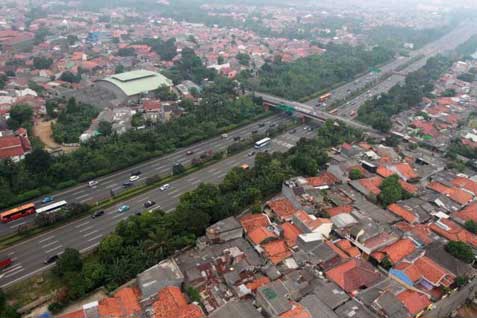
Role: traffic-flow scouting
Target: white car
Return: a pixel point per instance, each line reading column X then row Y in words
column 92, row 183
column 133, row 178
column 164, row 187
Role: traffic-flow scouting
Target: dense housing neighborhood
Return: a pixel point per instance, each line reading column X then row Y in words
column 226, row 159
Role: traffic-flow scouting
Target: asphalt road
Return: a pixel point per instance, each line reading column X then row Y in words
column 161, row 166
column 85, row 234
column 445, row 43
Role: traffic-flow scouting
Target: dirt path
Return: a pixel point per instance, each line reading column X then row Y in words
column 42, row 130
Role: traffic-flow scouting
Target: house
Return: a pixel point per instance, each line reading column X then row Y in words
column 171, row 302
column 312, row 226
column 354, row 309
column 455, row 194
column 236, row 309
column 276, row 251
column 323, row 181
column 395, row 252
column 469, row 213
column 282, row 209
column 329, row 293
column 354, row 275
column 273, row 298
column 313, row 307
column 453, row 232
column 16, row 146
column 166, row 273
column 224, row 230
column 423, row 273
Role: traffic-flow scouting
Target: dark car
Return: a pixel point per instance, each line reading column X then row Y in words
column 261, row 125
column 237, row 138
column 149, row 203
column 292, row 131
column 127, row 184
column 51, row 259
column 97, row 214
column 273, row 125
column 136, row 173
column 254, row 131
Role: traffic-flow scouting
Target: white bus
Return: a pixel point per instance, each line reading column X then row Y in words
column 262, row 143
column 52, row 207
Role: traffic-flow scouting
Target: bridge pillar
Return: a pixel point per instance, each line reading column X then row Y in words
column 303, row 119
column 266, row 107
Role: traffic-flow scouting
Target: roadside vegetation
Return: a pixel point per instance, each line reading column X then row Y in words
column 219, row 110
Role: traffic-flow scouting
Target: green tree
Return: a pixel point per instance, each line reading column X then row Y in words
column 178, row 169
column 220, row 60
column 71, row 39
column 119, row 69
column 42, row 63
column 355, row 174
column 20, row 116
column 243, row 58
column 391, row 190
column 460, row 250
column 69, row 77
column 449, row 92
column 126, row 51
column 68, row 262
column 471, row 226
column 105, row 128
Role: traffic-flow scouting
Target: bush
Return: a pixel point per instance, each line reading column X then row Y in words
column 461, row 251
column 66, row 184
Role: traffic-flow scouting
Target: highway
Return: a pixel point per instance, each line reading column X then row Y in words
column 85, row 234
column 445, row 43
column 161, row 166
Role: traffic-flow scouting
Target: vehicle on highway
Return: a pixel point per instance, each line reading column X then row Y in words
column 133, row 178
column 136, row 173
column 244, row 166
column 225, row 136
column 324, row 97
column 17, row 213
column 149, row 203
column 97, row 214
column 127, row 184
column 92, row 183
column 272, row 125
column 51, row 259
column 254, row 131
column 51, row 208
column 164, row 187
column 237, row 138
column 47, row 199
column 292, row 131
column 190, row 152
column 261, row 125
column 262, row 143
column 251, row 153
column 138, row 213
column 5, row 263
column 123, row 208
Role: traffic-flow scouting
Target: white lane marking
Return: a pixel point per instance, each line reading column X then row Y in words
column 222, row 174
column 170, row 210
column 17, row 225
column 46, row 239
column 177, row 195
column 95, row 237
column 212, row 170
column 173, row 191
column 90, row 233
column 51, row 243
column 81, row 224
column 82, row 196
column 28, row 275
column 11, row 253
column 84, row 200
column 196, row 181
column 13, row 269
column 89, row 247
column 117, row 215
column 86, row 228
column 14, row 273
column 54, row 248
column 110, row 186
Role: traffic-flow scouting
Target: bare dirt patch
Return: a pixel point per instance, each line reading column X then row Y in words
column 42, row 130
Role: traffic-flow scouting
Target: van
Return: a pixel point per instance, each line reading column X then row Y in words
column 225, row 136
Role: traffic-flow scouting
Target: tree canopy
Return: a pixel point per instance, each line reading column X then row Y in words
column 461, row 251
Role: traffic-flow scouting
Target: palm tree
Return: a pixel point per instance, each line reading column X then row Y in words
column 157, row 242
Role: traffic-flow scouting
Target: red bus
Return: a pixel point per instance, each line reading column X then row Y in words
column 17, row 212
column 324, row 97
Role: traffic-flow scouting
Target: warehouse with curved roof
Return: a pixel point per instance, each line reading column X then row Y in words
column 134, row 84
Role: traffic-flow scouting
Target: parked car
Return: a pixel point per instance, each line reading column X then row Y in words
column 123, row 208
column 127, row 184
column 92, row 183
column 97, row 214
column 149, row 203
column 5, row 263
column 51, row 259
column 136, row 173
column 133, row 178
column 47, row 199
column 164, row 187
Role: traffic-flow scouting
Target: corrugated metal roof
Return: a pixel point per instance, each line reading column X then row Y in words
column 138, row 81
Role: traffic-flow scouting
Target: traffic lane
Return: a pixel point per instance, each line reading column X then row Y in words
column 162, row 166
column 85, row 233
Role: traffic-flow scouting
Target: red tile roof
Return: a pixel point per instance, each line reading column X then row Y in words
column 290, row 233
column 12, row 146
column 252, row 221
column 421, row 231
column 260, row 234
column 413, row 301
column 297, row 311
column 171, row 303
column 339, row 209
column 257, row 283
column 372, row 184
column 324, row 179
column 384, row 172
column 457, row 195
column 426, row 268
column 311, row 223
column 353, row 275
column 454, row 232
column 348, row 248
column 276, row 251
column 465, row 183
column 405, row 170
column 402, row 212
column 283, row 208
column 469, row 213
column 410, row 188
column 396, row 251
